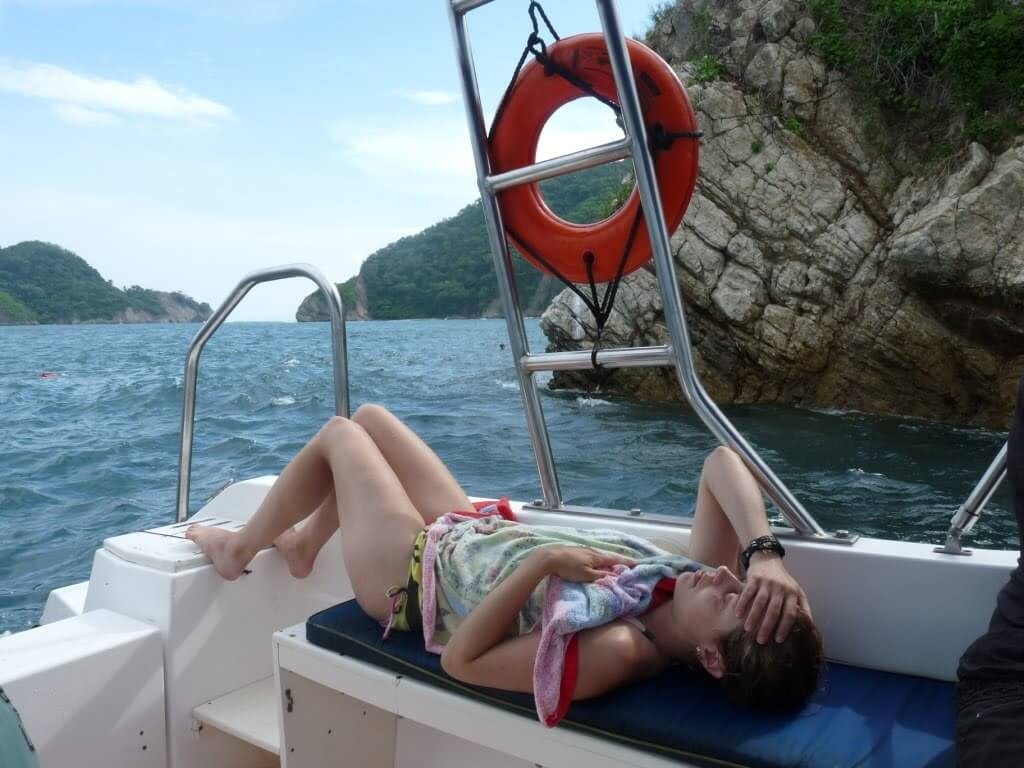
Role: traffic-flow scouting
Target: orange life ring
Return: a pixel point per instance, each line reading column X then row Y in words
column 534, row 97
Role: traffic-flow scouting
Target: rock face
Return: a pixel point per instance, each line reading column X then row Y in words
column 818, row 266
column 177, row 308
column 314, row 309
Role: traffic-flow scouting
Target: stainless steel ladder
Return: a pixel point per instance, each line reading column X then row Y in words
column 679, row 352
column 338, row 349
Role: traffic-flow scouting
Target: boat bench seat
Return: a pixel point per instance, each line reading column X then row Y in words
column 860, row 717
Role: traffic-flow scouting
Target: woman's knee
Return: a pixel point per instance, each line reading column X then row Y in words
column 339, row 428
column 722, row 456
column 370, row 415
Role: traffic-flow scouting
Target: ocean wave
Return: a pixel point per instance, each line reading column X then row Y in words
column 591, row 402
column 286, row 400
column 506, row 384
column 859, row 471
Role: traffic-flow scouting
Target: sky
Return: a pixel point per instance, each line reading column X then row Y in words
column 179, row 144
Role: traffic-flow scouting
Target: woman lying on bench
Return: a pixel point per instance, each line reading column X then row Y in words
column 392, row 497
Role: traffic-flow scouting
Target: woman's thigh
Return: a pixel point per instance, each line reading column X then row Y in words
column 378, row 521
column 426, row 480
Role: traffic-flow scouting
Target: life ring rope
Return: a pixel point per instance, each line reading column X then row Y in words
column 535, row 44
column 660, row 142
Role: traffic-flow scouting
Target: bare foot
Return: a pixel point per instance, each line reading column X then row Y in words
column 217, row 544
column 290, row 545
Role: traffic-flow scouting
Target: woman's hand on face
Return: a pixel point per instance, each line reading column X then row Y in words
column 771, row 599
column 582, row 564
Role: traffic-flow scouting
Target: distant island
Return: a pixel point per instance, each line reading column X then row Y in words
column 42, row 283
column 447, row 269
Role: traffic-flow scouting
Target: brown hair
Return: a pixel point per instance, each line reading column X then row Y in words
column 774, row 677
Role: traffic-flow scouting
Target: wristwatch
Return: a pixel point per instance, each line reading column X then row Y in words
column 761, row 544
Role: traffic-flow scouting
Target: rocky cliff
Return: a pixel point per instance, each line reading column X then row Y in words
column 823, row 261
column 170, row 307
column 353, row 297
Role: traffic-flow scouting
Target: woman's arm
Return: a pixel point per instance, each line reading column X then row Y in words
column 730, row 511
column 730, row 514
column 480, row 653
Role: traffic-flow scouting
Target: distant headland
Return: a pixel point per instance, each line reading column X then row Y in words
column 42, row 283
column 447, row 269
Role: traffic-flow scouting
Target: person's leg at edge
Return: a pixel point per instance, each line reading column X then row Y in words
column 378, row 521
column 427, row 482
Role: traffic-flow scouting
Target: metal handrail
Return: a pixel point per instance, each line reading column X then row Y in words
column 338, row 349
column 969, row 512
column 559, row 166
column 679, row 352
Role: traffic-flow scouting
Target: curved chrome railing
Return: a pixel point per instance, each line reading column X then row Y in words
column 969, row 512
column 338, row 349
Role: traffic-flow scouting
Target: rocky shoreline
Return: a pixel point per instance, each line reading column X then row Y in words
column 822, row 264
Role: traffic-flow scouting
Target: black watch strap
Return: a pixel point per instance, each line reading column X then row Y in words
column 761, row 544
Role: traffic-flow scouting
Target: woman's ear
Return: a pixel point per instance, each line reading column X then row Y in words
column 711, row 659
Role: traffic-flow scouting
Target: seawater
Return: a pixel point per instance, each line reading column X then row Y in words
column 93, row 451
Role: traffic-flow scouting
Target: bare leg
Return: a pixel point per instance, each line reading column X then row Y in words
column 424, row 477
column 299, row 547
column 300, row 489
column 725, row 484
column 378, row 521
column 427, row 481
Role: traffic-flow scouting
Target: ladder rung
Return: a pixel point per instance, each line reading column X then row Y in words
column 559, row 166
column 463, row 6
column 630, row 357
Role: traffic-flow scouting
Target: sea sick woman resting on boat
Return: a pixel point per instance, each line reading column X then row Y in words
column 392, row 497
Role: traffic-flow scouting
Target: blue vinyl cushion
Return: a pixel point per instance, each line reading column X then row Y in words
column 859, row 717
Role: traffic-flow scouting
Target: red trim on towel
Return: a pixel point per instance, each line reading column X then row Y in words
column 570, row 671
column 501, row 507
column 663, row 592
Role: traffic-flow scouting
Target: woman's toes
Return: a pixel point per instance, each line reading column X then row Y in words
column 215, row 543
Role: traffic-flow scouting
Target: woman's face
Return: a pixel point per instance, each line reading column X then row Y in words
column 705, row 604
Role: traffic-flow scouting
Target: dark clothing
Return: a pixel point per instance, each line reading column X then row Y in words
column 990, row 694
column 990, row 723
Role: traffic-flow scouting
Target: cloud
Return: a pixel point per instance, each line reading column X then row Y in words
column 428, row 98
column 77, row 94
column 78, row 115
column 438, row 150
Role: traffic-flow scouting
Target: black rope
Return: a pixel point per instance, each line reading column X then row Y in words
column 534, row 44
column 660, row 140
column 605, row 308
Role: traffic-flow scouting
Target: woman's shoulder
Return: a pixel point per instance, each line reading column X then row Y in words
column 623, row 645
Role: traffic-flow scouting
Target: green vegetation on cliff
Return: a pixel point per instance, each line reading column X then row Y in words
column 13, row 312
column 447, row 269
column 957, row 65
column 44, row 283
